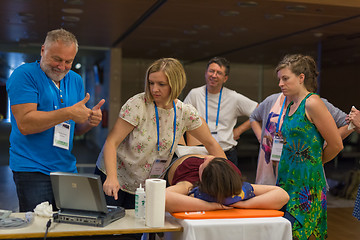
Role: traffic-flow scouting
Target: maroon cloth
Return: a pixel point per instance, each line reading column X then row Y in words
column 188, row 170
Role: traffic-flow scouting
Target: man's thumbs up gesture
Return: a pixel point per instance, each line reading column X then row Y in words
column 96, row 114
column 80, row 113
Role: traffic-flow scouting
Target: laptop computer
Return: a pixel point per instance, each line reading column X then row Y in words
column 81, row 200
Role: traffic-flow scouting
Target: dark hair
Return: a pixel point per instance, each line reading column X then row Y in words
column 220, row 180
column 222, row 62
column 298, row 64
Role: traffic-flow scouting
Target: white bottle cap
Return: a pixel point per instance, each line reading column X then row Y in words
column 141, row 189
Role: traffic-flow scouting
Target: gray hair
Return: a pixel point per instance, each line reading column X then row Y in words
column 62, row 35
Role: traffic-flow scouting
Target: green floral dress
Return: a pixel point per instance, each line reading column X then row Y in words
column 301, row 174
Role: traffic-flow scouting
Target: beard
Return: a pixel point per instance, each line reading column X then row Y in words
column 53, row 73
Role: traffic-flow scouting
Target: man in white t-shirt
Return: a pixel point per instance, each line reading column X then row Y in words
column 220, row 107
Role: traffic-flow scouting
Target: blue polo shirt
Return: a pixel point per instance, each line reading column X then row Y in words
column 35, row 152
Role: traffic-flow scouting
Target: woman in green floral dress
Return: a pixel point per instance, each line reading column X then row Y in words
column 307, row 123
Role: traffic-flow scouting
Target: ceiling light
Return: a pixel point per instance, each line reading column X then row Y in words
column 190, row 32
column 26, row 15
column 273, row 16
column 201, row 27
column 78, row 66
column 70, row 18
column 68, row 24
column 28, row 21
column 204, row 42
column 247, row 4
column 229, row 13
column 226, row 34
column 72, row 10
column 195, row 45
column 174, row 40
column 239, row 29
column 296, row 8
column 318, row 34
column 165, row 44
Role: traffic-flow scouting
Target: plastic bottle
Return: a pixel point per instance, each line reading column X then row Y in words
column 140, row 202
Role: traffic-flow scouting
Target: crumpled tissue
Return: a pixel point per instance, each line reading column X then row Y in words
column 44, row 209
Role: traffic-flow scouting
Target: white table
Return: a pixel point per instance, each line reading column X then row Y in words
column 127, row 224
column 270, row 228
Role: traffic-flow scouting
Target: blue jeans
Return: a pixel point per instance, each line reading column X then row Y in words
column 32, row 189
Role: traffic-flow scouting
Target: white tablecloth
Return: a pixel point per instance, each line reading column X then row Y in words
column 271, row 228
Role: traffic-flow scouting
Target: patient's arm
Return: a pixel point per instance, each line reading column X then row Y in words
column 177, row 200
column 266, row 197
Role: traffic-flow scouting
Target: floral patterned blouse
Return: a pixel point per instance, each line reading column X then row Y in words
column 138, row 151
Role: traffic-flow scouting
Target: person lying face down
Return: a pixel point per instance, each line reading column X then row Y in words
column 203, row 183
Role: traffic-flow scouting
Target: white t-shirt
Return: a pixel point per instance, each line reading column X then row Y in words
column 232, row 106
column 138, row 151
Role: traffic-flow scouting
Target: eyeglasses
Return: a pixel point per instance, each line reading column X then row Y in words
column 220, row 74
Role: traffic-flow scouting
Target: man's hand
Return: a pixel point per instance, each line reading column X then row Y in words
column 237, row 132
column 93, row 119
column 96, row 114
column 79, row 112
column 354, row 118
column 241, row 129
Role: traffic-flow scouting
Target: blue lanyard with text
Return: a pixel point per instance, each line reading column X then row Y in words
column 281, row 111
column 158, row 127
column 206, row 107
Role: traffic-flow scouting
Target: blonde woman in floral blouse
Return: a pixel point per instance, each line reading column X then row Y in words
column 148, row 129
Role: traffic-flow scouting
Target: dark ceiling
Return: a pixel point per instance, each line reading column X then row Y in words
column 191, row 30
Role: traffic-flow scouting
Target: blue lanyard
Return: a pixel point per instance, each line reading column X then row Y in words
column 206, row 107
column 55, row 96
column 281, row 111
column 158, row 127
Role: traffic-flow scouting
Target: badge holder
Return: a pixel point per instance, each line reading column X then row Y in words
column 157, row 168
column 276, row 149
column 278, row 141
column 62, row 135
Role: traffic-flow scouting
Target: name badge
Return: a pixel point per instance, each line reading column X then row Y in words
column 62, row 135
column 276, row 149
column 157, row 168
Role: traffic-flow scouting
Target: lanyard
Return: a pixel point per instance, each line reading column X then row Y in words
column 55, row 96
column 206, row 107
column 281, row 111
column 158, row 127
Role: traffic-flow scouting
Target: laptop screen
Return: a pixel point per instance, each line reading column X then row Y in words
column 76, row 191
